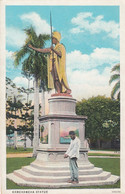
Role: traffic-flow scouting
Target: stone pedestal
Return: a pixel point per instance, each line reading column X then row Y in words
column 55, row 127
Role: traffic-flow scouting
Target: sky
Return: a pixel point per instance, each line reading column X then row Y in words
column 89, row 33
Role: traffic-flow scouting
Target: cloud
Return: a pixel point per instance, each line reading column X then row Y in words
column 40, row 25
column 15, row 37
column 84, row 78
column 85, row 84
column 86, row 22
column 9, row 55
column 100, row 56
column 10, row 68
column 9, row 61
column 22, row 82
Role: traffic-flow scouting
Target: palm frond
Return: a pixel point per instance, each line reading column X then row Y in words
column 114, row 78
column 118, row 96
column 43, row 38
column 27, row 65
column 31, row 36
column 115, row 89
column 19, row 55
column 30, row 32
column 116, row 68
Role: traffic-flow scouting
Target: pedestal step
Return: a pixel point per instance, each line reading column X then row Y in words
column 53, row 172
column 59, row 179
column 56, row 175
column 110, row 180
column 59, row 166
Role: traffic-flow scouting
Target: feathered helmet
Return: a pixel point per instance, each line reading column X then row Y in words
column 56, row 35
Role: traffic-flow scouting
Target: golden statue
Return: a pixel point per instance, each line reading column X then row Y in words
column 56, row 65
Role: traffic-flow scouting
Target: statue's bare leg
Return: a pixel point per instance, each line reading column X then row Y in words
column 68, row 91
column 57, row 84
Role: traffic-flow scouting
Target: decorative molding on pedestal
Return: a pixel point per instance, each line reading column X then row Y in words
column 61, row 94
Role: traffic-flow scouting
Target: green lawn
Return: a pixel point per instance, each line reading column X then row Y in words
column 17, row 163
column 11, row 150
column 108, row 164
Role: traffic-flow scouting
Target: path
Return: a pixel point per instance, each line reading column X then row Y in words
column 104, row 152
column 21, row 155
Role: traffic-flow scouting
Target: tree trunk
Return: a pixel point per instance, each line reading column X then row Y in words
column 36, row 116
column 15, row 135
column 31, row 142
column 15, row 140
column 43, row 103
column 24, row 140
column 98, row 143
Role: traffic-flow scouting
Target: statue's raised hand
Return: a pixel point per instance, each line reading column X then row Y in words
column 52, row 48
column 30, row 46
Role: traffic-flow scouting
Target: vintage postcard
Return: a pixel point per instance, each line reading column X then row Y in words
column 62, row 96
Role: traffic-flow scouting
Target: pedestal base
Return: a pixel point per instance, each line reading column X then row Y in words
column 57, row 157
column 52, row 171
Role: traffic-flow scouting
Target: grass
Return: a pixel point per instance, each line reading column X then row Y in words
column 108, row 164
column 11, row 150
column 12, row 185
column 17, row 163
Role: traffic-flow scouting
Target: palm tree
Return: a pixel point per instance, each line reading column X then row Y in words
column 115, row 77
column 36, row 64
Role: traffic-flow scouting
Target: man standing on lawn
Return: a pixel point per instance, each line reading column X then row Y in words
column 73, row 154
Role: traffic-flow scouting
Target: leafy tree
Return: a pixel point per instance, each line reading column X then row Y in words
column 115, row 77
column 110, row 129
column 36, row 64
column 27, row 119
column 13, row 110
column 99, row 110
column 19, row 112
column 11, row 90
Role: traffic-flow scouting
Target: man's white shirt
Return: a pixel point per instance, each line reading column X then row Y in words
column 73, row 150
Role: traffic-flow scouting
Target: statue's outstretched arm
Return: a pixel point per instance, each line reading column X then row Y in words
column 45, row 50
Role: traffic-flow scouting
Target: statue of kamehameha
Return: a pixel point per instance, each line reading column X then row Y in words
column 56, row 64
